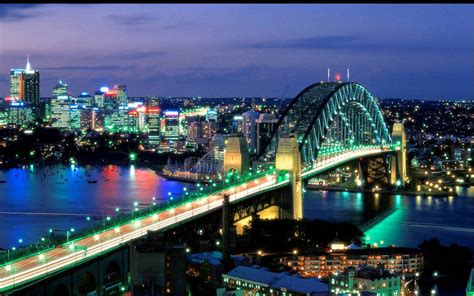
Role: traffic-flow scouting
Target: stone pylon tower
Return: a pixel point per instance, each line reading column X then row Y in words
column 398, row 170
column 236, row 155
column 288, row 159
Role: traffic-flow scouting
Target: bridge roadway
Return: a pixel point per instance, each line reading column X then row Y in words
column 62, row 257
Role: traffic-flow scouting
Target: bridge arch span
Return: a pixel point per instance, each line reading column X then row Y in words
column 327, row 116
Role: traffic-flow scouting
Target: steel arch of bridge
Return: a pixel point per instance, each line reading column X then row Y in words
column 329, row 112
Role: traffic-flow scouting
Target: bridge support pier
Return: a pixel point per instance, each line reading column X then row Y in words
column 398, row 168
column 236, row 156
column 288, row 160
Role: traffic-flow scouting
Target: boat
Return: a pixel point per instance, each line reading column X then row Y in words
column 91, row 181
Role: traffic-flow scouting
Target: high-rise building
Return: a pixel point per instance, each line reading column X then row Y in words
column 31, row 85
column 154, row 125
column 265, row 125
column 121, row 92
column 171, row 125
column 85, row 100
column 16, row 84
column 60, row 89
column 249, row 129
column 25, row 86
column 60, row 114
column 211, row 115
column 195, row 131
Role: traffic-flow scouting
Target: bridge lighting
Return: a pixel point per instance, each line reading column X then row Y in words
column 155, row 217
column 88, row 218
column 72, row 229
column 50, row 230
column 108, row 218
column 8, row 268
column 20, row 240
column 96, row 237
column 71, row 247
column 135, row 204
column 41, row 257
column 117, row 210
column 117, row 229
column 171, row 211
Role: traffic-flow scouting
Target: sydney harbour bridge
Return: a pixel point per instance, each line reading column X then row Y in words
column 326, row 125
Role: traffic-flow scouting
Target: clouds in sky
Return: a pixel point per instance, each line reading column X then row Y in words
column 424, row 51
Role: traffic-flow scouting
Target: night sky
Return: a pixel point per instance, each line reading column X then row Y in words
column 414, row 51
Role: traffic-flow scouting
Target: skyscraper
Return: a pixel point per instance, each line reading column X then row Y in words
column 265, row 125
column 24, row 86
column 31, row 85
column 249, row 129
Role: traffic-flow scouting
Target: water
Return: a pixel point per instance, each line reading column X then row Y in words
column 35, row 199
column 415, row 218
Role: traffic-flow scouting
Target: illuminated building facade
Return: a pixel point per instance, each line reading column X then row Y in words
column 249, row 129
column 354, row 282
column 399, row 260
column 171, row 125
column 154, row 125
column 25, row 86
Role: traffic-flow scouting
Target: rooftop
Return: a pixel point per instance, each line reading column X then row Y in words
column 277, row 280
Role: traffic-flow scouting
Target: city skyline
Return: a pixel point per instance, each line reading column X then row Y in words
column 242, row 50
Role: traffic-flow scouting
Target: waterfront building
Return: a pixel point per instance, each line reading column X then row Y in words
column 265, row 126
column 356, row 281
column 323, row 264
column 249, row 129
column 260, row 281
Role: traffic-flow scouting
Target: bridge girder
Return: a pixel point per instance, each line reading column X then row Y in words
column 328, row 114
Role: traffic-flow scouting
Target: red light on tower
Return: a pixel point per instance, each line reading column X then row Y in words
column 338, row 77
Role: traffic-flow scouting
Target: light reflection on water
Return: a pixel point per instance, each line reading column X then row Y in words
column 416, row 218
column 35, row 199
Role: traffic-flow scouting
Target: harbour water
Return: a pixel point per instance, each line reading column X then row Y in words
column 34, row 199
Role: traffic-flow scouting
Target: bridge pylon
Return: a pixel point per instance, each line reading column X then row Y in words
column 236, row 156
column 288, row 159
column 398, row 168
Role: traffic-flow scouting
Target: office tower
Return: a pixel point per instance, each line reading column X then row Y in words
column 249, row 129
column 60, row 114
column 195, row 131
column 85, row 100
column 24, row 86
column 16, row 84
column 60, row 89
column 31, row 85
column 121, row 93
column 154, row 125
column 171, row 125
column 99, row 98
column 265, row 125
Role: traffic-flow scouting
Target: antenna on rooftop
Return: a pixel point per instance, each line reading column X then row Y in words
column 329, row 74
column 348, row 74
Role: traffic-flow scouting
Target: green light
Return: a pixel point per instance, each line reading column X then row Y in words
column 133, row 156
